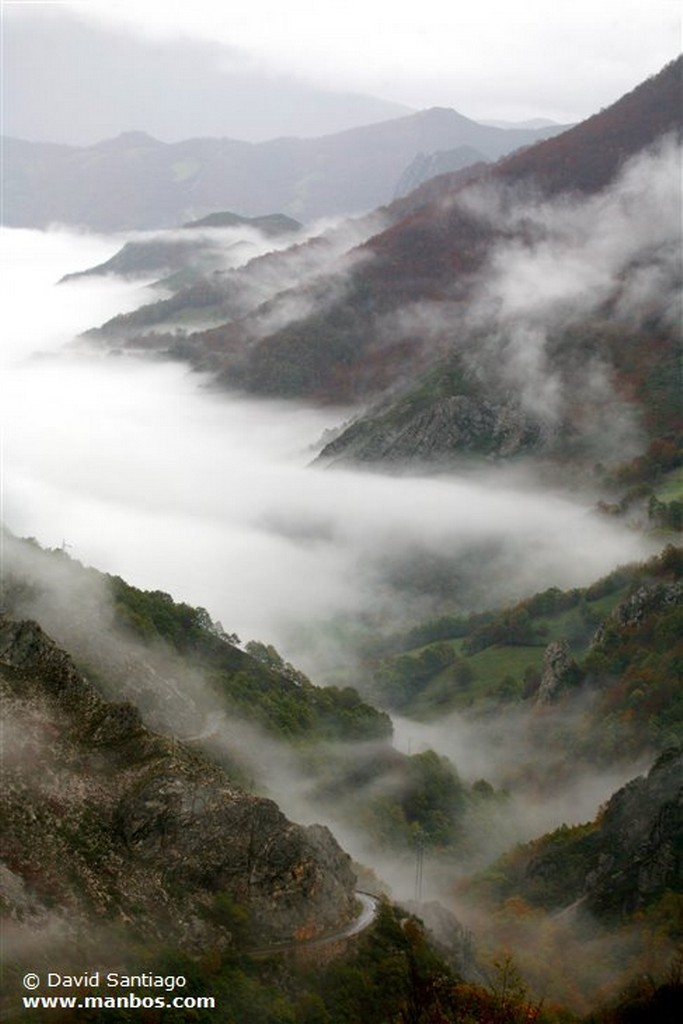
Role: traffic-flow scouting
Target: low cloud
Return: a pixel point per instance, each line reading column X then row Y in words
column 527, row 326
column 141, row 470
column 568, row 258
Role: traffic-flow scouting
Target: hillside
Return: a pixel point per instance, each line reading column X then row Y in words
column 131, row 850
column 447, row 246
column 199, row 254
column 607, row 656
column 430, row 256
column 168, row 844
column 322, row 750
column 135, row 181
column 584, row 904
column 625, row 862
column 151, row 830
column 431, row 319
column 482, row 732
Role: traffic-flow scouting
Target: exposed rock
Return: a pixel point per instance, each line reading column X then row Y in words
column 103, row 818
column 444, row 161
column 24, row 646
column 641, row 842
column 630, row 857
column 440, row 430
column 559, row 671
column 649, row 598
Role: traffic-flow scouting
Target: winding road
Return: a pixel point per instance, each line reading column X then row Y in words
column 368, row 913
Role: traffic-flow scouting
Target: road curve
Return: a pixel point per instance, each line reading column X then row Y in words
column 368, row 913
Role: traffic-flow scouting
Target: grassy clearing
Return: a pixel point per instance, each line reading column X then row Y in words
column 671, row 487
column 499, row 662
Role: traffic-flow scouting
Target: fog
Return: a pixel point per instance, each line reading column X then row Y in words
column 569, row 256
column 561, row 264
column 174, row 90
column 523, row 753
column 546, row 783
column 140, row 468
column 137, row 467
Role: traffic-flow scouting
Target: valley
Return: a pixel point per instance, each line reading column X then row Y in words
column 348, row 561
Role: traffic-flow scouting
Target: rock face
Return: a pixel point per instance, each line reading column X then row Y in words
column 429, row 165
column 436, row 432
column 559, row 671
column 641, row 842
column 630, row 857
column 648, row 598
column 105, row 820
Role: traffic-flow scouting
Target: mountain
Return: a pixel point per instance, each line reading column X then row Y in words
column 139, row 817
column 134, row 181
column 131, row 852
column 534, row 122
column 617, row 866
column 199, row 254
column 154, row 766
column 270, row 224
column 595, row 891
column 457, row 391
column 129, row 842
column 426, row 166
column 414, row 317
column 606, row 657
column 636, row 853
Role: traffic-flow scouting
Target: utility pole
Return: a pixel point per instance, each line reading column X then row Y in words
column 420, row 852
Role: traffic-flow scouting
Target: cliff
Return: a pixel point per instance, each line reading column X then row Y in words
column 640, row 853
column 432, row 431
column 628, row 859
column 105, row 820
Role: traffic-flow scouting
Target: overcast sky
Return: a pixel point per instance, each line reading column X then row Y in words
column 488, row 59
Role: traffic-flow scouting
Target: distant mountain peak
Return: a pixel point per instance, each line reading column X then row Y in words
column 126, row 140
column 442, row 114
column 136, row 181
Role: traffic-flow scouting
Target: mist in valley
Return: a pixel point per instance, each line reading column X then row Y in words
column 333, row 611
column 141, row 469
column 537, row 783
column 333, row 783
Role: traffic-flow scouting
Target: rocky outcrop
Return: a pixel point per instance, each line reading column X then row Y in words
column 447, row 427
column 646, row 600
column 559, row 671
column 625, row 861
column 641, row 842
column 105, row 820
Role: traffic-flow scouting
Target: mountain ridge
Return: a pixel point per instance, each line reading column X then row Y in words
column 135, row 181
column 144, row 813
column 141, row 820
column 397, row 318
